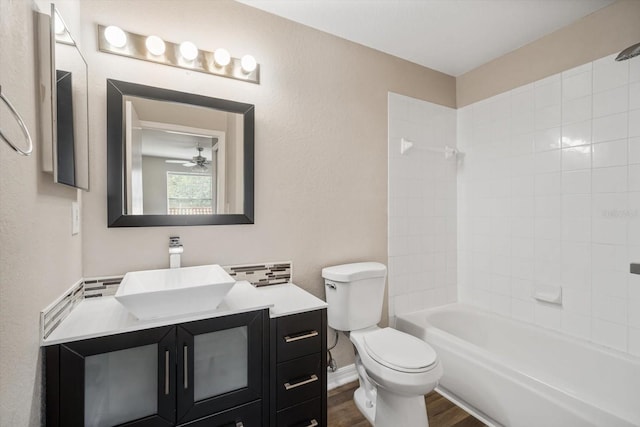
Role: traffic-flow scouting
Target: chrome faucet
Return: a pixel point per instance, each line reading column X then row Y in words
column 175, row 249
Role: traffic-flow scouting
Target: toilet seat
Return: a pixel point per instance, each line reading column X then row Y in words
column 399, row 351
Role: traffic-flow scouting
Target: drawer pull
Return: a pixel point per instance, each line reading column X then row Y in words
column 312, row 378
column 166, row 372
column 312, row 423
column 234, row 424
column 305, row 335
column 185, row 364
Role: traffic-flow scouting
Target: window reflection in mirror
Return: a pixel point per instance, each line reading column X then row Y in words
column 182, row 159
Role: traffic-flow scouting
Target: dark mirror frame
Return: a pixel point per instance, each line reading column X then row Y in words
column 116, row 188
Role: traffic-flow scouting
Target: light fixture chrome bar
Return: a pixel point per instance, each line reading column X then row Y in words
column 135, row 47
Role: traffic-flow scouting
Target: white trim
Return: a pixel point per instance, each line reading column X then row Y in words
column 342, row 376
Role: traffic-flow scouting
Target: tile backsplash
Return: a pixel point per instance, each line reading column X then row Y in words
column 262, row 274
column 56, row 312
column 549, row 194
column 101, row 287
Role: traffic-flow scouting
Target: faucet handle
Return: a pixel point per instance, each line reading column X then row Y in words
column 174, row 241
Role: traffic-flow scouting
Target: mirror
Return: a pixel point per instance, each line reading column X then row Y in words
column 176, row 158
column 64, row 108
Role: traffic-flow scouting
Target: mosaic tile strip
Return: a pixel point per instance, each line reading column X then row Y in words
column 53, row 315
column 101, row 287
column 264, row 274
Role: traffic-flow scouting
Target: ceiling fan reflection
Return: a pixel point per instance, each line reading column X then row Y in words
column 197, row 163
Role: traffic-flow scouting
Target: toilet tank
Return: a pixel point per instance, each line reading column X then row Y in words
column 355, row 294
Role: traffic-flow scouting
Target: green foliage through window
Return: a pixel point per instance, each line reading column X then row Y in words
column 189, row 193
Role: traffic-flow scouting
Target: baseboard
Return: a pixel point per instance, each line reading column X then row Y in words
column 341, row 376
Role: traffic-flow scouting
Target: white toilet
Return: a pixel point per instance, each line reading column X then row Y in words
column 395, row 369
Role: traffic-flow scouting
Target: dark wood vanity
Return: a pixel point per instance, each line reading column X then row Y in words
column 244, row 369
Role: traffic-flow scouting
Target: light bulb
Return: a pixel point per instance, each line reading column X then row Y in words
column 115, row 36
column 248, row 63
column 155, row 45
column 222, row 57
column 189, row 51
column 59, row 25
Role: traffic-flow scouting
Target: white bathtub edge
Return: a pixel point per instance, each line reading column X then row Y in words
column 467, row 408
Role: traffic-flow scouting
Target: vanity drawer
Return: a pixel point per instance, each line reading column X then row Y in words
column 307, row 414
column 298, row 335
column 247, row 415
column 299, row 380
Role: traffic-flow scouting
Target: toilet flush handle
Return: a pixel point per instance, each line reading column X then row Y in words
column 330, row 285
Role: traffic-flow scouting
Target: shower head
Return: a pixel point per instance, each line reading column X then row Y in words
column 629, row 52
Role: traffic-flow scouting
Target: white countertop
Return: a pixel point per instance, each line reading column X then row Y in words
column 96, row 317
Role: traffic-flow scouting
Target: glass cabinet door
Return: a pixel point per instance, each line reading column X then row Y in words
column 220, row 363
column 120, row 386
column 126, row 378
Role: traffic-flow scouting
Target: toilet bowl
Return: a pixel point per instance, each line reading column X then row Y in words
column 395, row 370
column 402, row 368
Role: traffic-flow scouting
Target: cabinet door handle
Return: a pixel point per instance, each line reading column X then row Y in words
column 312, row 423
column 234, row 424
column 312, row 378
column 305, row 335
column 166, row 372
column 185, row 364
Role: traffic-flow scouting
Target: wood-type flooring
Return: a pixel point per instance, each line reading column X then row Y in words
column 342, row 411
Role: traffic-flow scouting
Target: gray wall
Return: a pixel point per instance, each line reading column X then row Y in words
column 39, row 258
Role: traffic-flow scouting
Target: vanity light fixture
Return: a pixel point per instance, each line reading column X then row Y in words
column 112, row 39
column 155, row 45
column 59, row 26
column 248, row 63
column 188, row 50
column 115, row 36
column 60, row 30
column 222, row 57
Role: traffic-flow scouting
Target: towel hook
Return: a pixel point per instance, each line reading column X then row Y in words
column 23, row 127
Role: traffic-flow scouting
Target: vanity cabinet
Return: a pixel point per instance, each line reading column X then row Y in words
column 211, row 372
column 299, row 374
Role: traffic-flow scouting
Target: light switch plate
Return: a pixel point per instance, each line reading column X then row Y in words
column 75, row 218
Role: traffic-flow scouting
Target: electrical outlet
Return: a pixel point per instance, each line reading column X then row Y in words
column 75, row 218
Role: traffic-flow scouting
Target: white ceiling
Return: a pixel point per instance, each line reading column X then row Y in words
column 452, row 36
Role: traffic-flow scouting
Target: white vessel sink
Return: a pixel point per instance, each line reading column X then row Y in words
column 153, row 294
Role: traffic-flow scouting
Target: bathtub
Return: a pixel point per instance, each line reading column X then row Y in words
column 514, row 374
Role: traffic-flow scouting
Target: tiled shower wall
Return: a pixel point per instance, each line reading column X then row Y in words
column 422, row 206
column 549, row 194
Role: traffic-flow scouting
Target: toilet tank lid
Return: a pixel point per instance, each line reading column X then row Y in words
column 355, row 271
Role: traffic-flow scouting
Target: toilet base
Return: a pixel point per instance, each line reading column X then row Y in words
column 393, row 410
column 362, row 403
